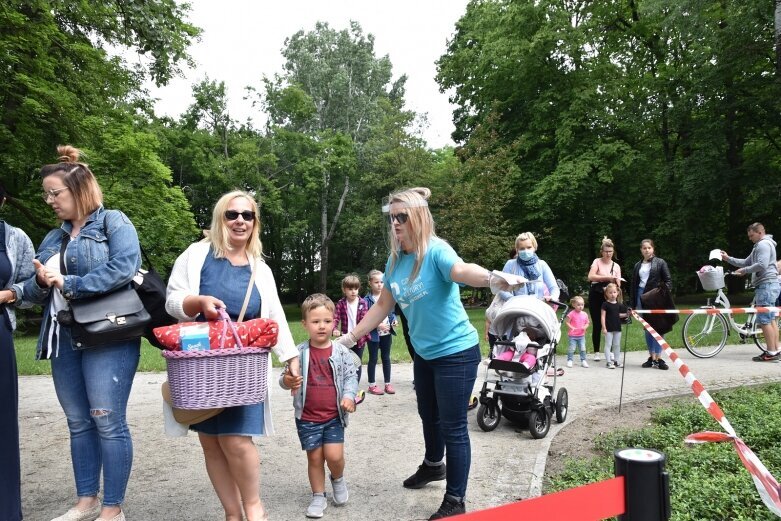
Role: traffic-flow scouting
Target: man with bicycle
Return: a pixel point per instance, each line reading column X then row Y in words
column 761, row 263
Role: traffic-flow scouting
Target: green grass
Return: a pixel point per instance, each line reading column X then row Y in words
column 151, row 360
column 707, row 481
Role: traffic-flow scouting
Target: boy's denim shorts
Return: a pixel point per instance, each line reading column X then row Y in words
column 313, row 435
column 766, row 295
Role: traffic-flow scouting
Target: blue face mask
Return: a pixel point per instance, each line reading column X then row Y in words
column 525, row 255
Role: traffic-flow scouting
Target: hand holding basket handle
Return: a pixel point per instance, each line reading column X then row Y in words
column 223, row 333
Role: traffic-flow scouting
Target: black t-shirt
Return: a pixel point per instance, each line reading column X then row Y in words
column 612, row 318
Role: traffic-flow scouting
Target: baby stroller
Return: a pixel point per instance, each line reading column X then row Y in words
column 511, row 389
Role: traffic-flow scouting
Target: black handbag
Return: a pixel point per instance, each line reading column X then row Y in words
column 103, row 319
column 152, row 291
column 111, row 317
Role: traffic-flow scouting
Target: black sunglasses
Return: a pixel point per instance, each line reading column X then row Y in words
column 400, row 218
column 232, row 215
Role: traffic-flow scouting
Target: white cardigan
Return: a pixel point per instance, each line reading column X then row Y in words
column 185, row 280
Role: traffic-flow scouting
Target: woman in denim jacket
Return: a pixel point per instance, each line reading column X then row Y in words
column 93, row 385
column 16, row 265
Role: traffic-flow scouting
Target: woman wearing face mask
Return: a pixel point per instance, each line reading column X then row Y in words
column 532, row 268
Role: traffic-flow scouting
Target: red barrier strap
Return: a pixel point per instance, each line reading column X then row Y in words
column 590, row 502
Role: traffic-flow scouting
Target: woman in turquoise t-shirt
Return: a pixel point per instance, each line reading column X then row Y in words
column 422, row 274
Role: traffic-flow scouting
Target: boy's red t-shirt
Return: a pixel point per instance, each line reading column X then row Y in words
column 320, row 405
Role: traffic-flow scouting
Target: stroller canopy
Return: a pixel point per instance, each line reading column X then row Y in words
column 532, row 311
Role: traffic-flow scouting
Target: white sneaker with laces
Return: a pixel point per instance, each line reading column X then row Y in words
column 569, row 363
column 583, row 363
column 597, row 357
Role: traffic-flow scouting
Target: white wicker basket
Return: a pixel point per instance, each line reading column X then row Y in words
column 712, row 280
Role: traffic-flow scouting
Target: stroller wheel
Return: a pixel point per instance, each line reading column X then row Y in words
column 539, row 422
column 488, row 417
column 562, row 404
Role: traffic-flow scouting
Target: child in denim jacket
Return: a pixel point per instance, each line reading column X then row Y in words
column 322, row 397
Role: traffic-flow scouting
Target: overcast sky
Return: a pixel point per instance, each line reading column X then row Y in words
column 242, row 39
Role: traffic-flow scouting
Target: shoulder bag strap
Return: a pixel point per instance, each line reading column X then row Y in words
column 63, row 246
column 249, row 291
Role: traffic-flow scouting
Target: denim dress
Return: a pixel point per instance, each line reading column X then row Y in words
column 10, row 504
column 223, row 280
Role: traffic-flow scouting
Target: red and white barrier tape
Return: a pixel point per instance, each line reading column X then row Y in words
column 709, row 311
column 766, row 484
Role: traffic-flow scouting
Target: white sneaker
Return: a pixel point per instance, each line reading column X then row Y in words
column 569, row 363
column 341, row 494
column 317, row 506
column 583, row 363
column 596, row 357
column 610, row 365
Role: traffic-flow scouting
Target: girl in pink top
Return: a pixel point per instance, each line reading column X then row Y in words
column 577, row 323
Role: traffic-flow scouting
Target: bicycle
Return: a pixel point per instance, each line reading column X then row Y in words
column 706, row 335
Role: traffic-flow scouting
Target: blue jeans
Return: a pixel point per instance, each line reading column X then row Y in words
column 443, row 387
column 384, row 346
column 653, row 345
column 93, row 387
column 577, row 343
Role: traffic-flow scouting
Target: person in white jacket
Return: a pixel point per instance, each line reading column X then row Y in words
column 226, row 270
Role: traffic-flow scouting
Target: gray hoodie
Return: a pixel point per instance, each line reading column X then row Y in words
column 761, row 262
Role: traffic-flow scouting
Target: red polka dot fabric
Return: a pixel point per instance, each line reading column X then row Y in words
column 259, row 332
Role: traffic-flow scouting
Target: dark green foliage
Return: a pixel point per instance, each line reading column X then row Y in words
column 630, row 119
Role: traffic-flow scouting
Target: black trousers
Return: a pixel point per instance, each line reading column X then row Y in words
column 596, row 296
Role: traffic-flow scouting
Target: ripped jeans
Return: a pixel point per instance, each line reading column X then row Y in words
column 93, row 387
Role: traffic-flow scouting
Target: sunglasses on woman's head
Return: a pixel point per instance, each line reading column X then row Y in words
column 232, row 215
column 400, row 218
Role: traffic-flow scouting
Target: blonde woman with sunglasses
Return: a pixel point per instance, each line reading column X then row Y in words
column 422, row 275
column 226, row 270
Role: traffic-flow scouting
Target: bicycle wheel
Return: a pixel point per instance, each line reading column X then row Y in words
column 705, row 335
column 759, row 337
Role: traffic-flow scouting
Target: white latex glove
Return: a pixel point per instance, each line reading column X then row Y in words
column 347, row 340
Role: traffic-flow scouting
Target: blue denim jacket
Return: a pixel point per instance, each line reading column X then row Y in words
column 20, row 251
column 96, row 262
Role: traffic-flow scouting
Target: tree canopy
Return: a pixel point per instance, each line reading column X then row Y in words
column 574, row 120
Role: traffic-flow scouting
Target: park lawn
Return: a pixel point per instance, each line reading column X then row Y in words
column 151, row 360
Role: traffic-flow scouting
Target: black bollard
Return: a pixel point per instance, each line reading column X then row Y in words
column 646, row 484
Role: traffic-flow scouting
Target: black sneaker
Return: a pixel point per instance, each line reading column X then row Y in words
column 425, row 475
column 661, row 364
column 451, row 506
column 767, row 357
column 649, row 362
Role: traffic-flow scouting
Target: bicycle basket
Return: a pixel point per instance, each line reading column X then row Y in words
column 712, row 280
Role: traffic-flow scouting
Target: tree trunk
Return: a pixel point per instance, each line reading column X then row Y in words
column 778, row 39
column 326, row 234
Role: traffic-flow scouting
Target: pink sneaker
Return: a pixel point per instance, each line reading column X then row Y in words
column 374, row 389
column 389, row 389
